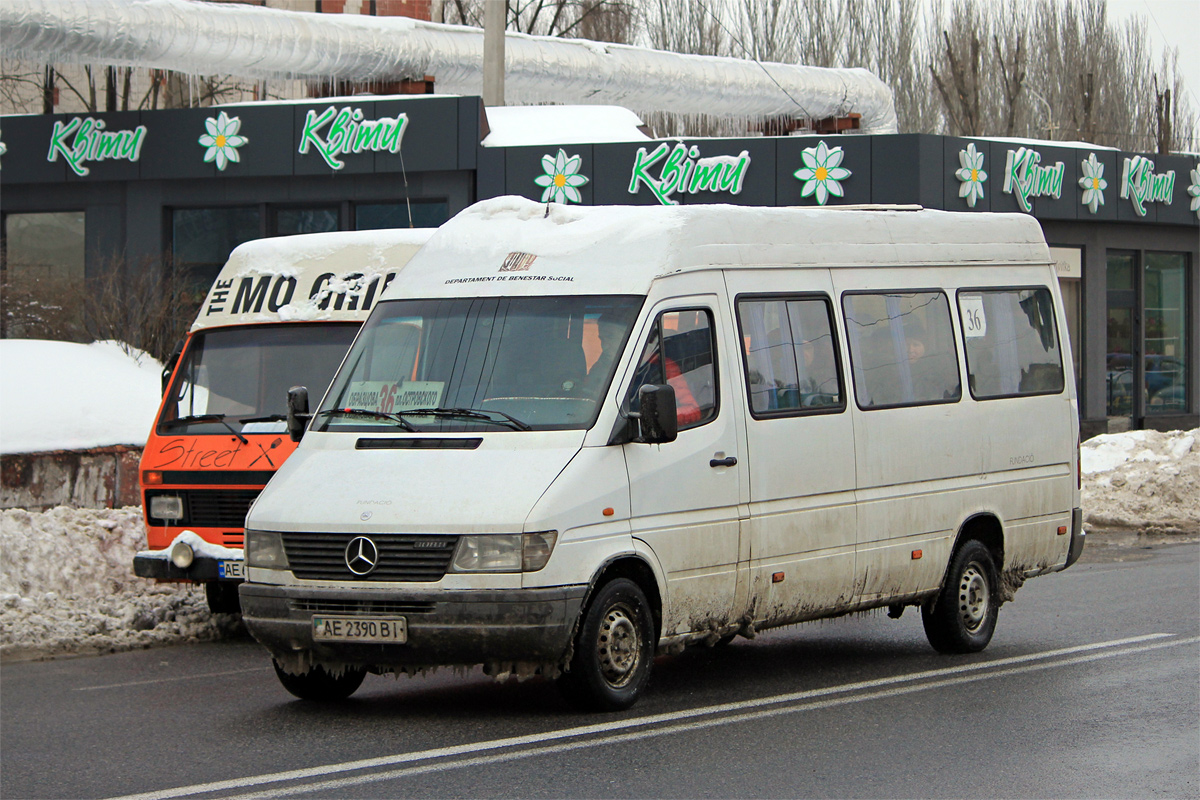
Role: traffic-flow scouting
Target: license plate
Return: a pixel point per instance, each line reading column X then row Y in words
column 231, row 569
column 360, row 629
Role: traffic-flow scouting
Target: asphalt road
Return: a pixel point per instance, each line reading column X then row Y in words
column 1089, row 689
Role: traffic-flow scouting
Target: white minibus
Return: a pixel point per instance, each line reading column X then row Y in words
column 567, row 439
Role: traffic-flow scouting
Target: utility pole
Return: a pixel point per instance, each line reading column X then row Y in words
column 494, row 21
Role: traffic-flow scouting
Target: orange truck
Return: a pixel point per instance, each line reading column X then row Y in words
column 281, row 313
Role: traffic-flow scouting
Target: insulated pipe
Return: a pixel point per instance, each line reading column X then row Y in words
column 254, row 42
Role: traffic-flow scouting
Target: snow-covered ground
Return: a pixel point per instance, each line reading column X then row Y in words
column 67, row 583
column 1143, row 482
column 67, row 396
column 67, row 586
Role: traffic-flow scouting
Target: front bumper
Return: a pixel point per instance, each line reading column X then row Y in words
column 444, row 627
column 202, row 569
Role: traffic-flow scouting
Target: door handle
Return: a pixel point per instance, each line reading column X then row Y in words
column 723, row 462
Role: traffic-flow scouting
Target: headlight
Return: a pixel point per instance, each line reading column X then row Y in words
column 166, row 507
column 182, row 555
column 489, row 553
column 506, row 552
column 265, row 549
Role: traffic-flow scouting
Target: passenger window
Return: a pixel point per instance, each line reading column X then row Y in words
column 1011, row 342
column 901, row 349
column 791, row 358
column 686, row 354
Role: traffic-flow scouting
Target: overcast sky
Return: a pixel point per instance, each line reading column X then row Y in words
column 1169, row 23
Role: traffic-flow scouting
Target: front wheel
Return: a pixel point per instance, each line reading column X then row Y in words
column 614, row 650
column 962, row 618
column 319, row 684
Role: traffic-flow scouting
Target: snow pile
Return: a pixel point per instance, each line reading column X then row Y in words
column 1142, row 481
column 67, row 396
column 67, row 586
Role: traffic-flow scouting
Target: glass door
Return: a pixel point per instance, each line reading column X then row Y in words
column 1165, row 359
column 1122, row 355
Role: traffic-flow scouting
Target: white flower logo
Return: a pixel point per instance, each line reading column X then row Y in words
column 1194, row 191
column 562, row 179
column 222, row 140
column 1093, row 183
column 821, row 172
column 971, row 174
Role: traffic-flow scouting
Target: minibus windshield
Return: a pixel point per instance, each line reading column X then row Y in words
column 236, row 379
column 493, row 363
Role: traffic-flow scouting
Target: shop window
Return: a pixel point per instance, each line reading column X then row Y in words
column 1166, row 356
column 203, row 238
column 1011, row 342
column 47, row 246
column 902, row 349
column 791, row 358
column 415, row 214
column 290, row 221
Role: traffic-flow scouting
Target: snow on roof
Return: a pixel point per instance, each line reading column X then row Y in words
column 1022, row 142
column 623, row 249
column 67, row 396
column 310, row 277
column 514, row 126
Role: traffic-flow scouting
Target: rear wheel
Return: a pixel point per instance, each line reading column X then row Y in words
column 222, row 597
column 962, row 618
column 614, row 649
column 318, row 684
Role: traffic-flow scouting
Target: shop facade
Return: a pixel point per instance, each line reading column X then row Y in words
column 82, row 194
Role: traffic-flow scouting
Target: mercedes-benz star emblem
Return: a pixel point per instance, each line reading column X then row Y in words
column 361, row 555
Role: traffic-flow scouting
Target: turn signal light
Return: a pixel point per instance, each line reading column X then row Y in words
column 917, row 554
column 777, row 577
column 1062, row 529
column 151, row 478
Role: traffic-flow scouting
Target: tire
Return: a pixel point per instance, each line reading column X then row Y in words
column 614, row 650
column 319, row 685
column 222, row 597
column 962, row 618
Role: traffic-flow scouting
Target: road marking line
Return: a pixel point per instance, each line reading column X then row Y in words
column 629, row 736
column 637, row 722
column 165, row 680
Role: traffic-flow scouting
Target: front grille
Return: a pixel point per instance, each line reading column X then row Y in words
column 219, row 508
column 402, row 557
column 365, row 607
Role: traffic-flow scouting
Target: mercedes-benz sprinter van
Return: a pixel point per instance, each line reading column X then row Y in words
column 567, row 439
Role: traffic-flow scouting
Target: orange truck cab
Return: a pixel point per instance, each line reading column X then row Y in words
column 281, row 313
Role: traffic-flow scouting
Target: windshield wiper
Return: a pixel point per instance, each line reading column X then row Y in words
column 484, row 415
column 267, row 418
column 206, row 418
column 366, row 412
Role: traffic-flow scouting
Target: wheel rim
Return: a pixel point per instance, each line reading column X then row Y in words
column 973, row 597
column 619, row 647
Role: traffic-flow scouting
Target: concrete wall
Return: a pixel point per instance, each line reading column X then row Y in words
column 106, row 477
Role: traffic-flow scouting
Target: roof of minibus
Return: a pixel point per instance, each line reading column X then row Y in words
column 287, row 278
column 514, row 246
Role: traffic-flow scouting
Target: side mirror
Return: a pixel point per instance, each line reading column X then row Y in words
column 658, row 417
column 172, row 362
column 297, row 412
